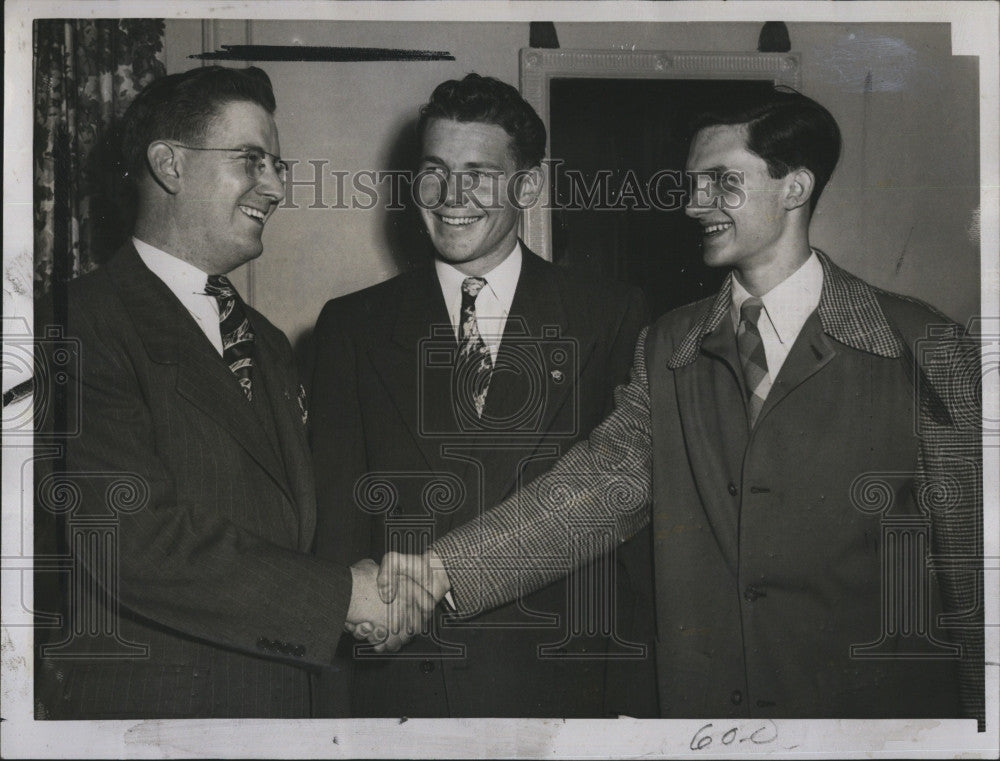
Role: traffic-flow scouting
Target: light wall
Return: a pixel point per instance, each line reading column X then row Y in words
column 900, row 211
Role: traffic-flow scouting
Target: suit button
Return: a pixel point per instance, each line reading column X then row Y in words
column 427, row 667
column 299, row 651
column 732, row 489
column 736, row 698
column 752, row 593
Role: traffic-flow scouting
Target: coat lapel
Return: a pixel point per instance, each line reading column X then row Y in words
column 811, row 351
column 172, row 337
column 703, row 436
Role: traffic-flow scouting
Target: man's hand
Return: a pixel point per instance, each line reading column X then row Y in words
column 399, row 573
column 386, row 626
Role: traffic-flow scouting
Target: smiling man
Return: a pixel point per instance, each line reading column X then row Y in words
column 442, row 389
column 798, row 436
column 212, row 605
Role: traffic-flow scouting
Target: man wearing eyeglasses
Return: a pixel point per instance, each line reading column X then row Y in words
column 216, row 606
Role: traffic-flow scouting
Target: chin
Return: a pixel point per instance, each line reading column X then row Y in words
column 246, row 255
column 716, row 258
column 452, row 256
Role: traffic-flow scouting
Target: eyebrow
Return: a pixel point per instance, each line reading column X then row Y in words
column 255, row 147
column 484, row 165
column 430, row 159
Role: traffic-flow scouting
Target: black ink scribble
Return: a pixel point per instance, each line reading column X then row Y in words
column 321, row 54
column 902, row 253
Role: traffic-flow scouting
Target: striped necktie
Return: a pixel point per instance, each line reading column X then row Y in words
column 474, row 365
column 237, row 331
column 752, row 357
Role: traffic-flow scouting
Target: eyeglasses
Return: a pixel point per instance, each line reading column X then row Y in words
column 256, row 160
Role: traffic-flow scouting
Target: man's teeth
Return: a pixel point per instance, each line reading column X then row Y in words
column 718, row 228
column 459, row 221
column 252, row 212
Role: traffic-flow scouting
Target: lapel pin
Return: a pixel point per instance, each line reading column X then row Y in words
column 557, row 375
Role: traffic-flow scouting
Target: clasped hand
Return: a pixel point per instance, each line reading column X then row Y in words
column 392, row 603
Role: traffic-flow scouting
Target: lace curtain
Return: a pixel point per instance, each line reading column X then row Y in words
column 86, row 74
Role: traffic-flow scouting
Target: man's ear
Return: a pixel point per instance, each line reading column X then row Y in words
column 799, row 188
column 164, row 165
column 527, row 184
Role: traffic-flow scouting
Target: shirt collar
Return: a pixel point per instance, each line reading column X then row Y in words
column 848, row 311
column 179, row 275
column 789, row 304
column 502, row 279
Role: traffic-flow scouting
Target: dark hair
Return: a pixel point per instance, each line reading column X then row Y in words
column 485, row 99
column 182, row 107
column 787, row 130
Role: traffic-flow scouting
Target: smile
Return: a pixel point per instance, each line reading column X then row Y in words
column 458, row 221
column 253, row 213
column 717, row 228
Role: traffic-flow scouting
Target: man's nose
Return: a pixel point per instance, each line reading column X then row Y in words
column 692, row 209
column 699, row 202
column 270, row 183
column 451, row 188
column 463, row 187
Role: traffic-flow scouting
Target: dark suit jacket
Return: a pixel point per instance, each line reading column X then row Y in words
column 209, row 513
column 769, row 543
column 391, row 454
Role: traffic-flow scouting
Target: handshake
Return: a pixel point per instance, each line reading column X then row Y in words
column 392, row 603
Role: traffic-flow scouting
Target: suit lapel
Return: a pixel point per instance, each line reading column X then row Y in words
column 530, row 384
column 415, row 363
column 290, row 429
column 535, row 334
column 172, row 337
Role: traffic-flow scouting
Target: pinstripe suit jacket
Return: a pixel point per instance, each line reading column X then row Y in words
column 221, row 607
column 870, row 367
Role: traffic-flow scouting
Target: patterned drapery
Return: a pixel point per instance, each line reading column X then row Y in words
column 86, row 74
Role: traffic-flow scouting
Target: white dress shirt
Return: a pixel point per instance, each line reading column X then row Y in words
column 493, row 302
column 787, row 306
column 188, row 284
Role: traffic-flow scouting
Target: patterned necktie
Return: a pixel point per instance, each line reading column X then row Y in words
column 237, row 332
column 752, row 356
column 474, row 365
